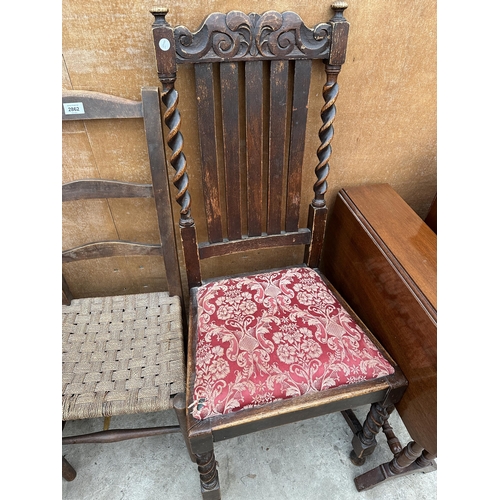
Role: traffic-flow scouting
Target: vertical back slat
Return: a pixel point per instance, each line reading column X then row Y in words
column 277, row 138
column 231, row 133
column 302, row 78
column 254, row 135
column 208, row 148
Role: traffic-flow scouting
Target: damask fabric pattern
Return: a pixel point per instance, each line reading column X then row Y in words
column 273, row 336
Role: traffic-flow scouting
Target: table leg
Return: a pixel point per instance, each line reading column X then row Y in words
column 413, row 458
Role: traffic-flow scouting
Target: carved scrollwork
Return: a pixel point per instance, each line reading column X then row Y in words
column 252, row 36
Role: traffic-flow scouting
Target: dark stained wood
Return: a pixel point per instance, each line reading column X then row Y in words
column 233, row 40
column 209, row 477
column 338, row 47
column 204, row 433
column 392, row 439
column 324, row 152
column 277, row 142
column 254, row 135
column 411, row 243
column 301, row 237
column 365, row 442
column 67, row 296
column 249, row 421
column 100, row 106
column 88, row 105
column 360, row 431
column 117, row 435
column 413, row 458
column 338, row 40
column 161, row 189
column 68, row 472
column 164, row 43
column 208, row 148
column 191, row 255
column 229, row 76
column 272, row 35
column 167, row 72
column 103, row 106
column 410, row 453
column 88, row 189
column 301, row 83
column 431, row 218
column 317, row 223
column 180, row 411
column 103, row 249
column 382, row 258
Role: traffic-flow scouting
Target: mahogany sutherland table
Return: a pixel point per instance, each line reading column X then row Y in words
column 381, row 256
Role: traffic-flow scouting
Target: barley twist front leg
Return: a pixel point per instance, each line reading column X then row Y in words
column 209, row 477
column 364, row 442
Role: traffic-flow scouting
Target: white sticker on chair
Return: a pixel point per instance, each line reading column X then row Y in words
column 164, row 44
column 73, row 108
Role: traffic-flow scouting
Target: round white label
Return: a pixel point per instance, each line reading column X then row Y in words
column 164, row 44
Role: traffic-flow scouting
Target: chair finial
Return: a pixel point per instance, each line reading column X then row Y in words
column 160, row 14
column 338, row 6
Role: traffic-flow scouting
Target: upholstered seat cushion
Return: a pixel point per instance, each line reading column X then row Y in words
column 272, row 336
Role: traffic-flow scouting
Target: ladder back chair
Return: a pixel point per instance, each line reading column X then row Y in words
column 123, row 354
column 280, row 345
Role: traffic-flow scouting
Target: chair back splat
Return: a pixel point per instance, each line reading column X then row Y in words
column 263, row 62
column 279, row 345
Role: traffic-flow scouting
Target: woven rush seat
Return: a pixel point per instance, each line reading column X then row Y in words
column 274, row 336
column 121, row 355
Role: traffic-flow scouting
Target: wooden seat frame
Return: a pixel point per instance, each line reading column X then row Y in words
column 88, row 105
column 270, row 47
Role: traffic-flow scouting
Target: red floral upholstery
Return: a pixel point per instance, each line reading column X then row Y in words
column 272, row 336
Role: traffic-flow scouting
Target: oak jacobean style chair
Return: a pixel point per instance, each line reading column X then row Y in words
column 279, row 345
column 123, row 354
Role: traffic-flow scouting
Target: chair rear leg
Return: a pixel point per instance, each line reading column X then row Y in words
column 68, row 472
column 180, row 411
column 364, row 442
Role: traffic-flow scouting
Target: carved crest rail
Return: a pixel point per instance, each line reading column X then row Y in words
column 252, row 36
